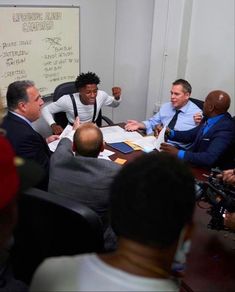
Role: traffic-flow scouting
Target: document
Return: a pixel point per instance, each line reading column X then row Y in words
column 105, row 154
column 116, row 134
column 149, row 143
column 160, row 139
column 67, row 133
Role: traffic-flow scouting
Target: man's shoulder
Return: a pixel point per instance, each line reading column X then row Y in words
column 11, row 120
column 107, row 166
column 226, row 121
column 192, row 106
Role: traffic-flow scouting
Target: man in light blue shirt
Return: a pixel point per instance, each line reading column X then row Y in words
column 213, row 141
column 185, row 113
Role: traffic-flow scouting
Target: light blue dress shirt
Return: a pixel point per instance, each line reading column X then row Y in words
column 184, row 121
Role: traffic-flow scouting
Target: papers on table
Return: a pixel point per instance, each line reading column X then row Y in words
column 116, row 134
column 68, row 133
column 105, row 154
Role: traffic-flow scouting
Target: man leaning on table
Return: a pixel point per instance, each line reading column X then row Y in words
column 180, row 113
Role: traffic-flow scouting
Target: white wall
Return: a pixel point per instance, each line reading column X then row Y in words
column 144, row 45
column 192, row 39
column 211, row 47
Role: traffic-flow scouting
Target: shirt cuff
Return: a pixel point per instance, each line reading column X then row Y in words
column 181, row 154
column 148, row 127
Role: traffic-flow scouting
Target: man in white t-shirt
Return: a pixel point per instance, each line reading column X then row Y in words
column 88, row 101
column 151, row 206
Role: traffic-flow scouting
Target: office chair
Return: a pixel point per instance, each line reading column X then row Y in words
column 198, row 102
column 52, row 225
column 69, row 88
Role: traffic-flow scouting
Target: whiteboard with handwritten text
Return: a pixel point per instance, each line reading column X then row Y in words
column 39, row 43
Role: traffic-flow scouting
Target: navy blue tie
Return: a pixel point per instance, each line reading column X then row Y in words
column 172, row 123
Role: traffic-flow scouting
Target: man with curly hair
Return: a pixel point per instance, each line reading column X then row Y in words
column 88, row 100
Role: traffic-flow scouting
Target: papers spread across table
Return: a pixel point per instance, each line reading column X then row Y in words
column 68, row 133
column 115, row 134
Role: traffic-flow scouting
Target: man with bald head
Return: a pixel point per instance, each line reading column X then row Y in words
column 84, row 177
column 212, row 139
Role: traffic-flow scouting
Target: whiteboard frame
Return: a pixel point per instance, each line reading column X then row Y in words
column 49, row 95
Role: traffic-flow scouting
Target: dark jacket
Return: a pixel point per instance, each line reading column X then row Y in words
column 213, row 147
column 27, row 143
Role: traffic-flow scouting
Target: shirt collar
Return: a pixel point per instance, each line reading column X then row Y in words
column 22, row 117
column 183, row 108
column 213, row 120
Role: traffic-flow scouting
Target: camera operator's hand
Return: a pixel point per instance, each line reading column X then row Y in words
column 228, row 176
column 229, row 220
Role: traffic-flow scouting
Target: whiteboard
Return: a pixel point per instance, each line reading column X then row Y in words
column 39, row 43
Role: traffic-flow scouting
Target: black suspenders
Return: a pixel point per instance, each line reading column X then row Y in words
column 76, row 110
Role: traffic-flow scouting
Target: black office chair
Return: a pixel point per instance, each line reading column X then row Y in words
column 198, row 102
column 52, row 225
column 69, row 88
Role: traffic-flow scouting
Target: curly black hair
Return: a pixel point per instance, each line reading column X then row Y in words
column 86, row 78
column 151, row 199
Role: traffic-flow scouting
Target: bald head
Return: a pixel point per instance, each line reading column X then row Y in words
column 88, row 140
column 217, row 102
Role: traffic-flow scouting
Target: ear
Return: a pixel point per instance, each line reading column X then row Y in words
column 22, row 106
column 211, row 107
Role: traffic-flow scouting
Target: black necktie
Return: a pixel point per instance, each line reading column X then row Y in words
column 172, row 123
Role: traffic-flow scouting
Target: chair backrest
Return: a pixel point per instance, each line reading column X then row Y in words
column 52, row 225
column 60, row 90
column 198, row 102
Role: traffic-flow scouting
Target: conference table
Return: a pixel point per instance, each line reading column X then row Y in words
column 211, row 260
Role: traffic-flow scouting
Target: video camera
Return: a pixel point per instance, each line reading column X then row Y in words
column 219, row 195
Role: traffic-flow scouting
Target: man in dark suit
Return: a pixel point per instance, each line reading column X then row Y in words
column 24, row 107
column 84, row 177
column 212, row 139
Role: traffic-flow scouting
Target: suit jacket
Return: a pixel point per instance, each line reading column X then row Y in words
column 27, row 143
column 84, row 179
column 212, row 148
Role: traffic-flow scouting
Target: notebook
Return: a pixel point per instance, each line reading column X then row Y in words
column 121, row 146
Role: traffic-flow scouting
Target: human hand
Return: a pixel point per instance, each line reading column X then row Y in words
column 229, row 220
column 76, row 123
column 197, row 118
column 52, row 138
column 157, row 129
column 228, row 176
column 56, row 129
column 116, row 92
column 133, row 125
column 169, row 149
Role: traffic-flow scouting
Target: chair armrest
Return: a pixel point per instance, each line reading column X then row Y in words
column 108, row 120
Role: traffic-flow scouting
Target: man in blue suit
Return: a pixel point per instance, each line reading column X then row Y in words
column 24, row 107
column 212, row 139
